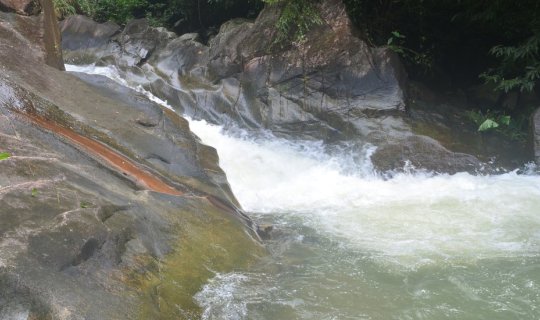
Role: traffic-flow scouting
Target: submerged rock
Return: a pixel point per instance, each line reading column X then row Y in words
column 84, row 233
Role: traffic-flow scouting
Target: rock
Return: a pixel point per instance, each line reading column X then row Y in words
column 23, row 7
column 536, row 135
column 331, row 87
column 265, row 231
column 320, row 89
column 190, row 37
column 421, row 152
column 43, row 33
column 81, row 236
column 138, row 41
column 81, row 33
column 85, row 41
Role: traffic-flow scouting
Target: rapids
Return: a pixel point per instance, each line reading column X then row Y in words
column 350, row 244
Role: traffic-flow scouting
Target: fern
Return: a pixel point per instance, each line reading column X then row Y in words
column 519, row 68
column 296, row 19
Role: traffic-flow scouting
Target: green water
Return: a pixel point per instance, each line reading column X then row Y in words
column 309, row 276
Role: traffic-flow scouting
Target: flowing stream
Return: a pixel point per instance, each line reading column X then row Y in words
column 348, row 244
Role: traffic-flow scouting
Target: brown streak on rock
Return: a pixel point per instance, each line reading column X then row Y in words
column 111, row 157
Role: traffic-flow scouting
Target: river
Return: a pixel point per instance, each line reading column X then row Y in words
column 350, row 244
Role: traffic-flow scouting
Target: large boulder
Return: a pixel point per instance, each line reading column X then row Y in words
column 110, row 207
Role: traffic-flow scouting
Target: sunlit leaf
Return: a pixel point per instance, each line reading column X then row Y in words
column 4, row 155
column 488, row 125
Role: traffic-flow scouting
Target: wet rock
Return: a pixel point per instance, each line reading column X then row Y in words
column 331, row 87
column 265, row 231
column 421, row 152
column 536, row 135
column 79, row 238
column 42, row 33
column 318, row 89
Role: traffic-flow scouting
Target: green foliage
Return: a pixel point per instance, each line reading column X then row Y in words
column 85, row 204
column 519, row 67
column 459, row 40
column 4, row 155
column 65, row 8
column 34, row 192
column 488, row 124
column 296, row 19
column 119, row 11
column 514, row 129
column 178, row 15
column 396, row 43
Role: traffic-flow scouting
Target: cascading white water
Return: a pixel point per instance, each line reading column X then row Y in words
column 408, row 217
column 351, row 245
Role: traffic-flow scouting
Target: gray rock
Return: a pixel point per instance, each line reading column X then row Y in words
column 421, row 152
column 536, row 135
column 321, row 87
column 83, row 34
column 82, row 239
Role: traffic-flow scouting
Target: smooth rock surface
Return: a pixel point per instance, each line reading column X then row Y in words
column 421, row 152
column 536, row 135
column 319, row 88
column 81, row 239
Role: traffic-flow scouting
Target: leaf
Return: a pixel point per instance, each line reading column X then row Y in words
column 4, row 155
column 505, row 120
column 85, row 204
column 397, row 35
column 34, row 192
column 488, row 125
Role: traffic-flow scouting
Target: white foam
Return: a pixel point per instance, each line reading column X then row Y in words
column 410, row 219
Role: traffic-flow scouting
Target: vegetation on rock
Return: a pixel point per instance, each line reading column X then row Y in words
column 4, row 155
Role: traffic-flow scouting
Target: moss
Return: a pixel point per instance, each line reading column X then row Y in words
column 209, row 242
